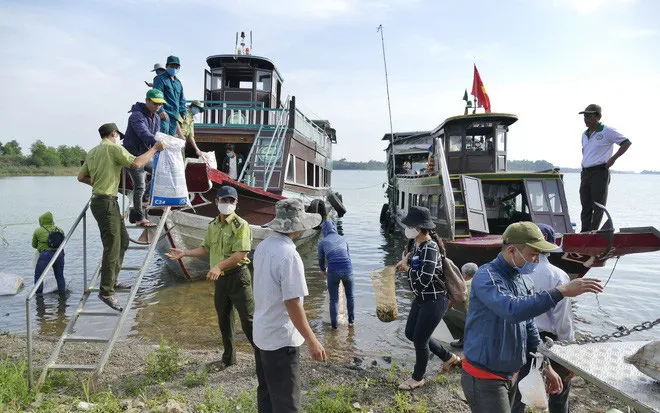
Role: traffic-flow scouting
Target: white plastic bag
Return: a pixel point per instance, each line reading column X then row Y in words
column 10, row 284
column 532, row 389
column 168, row 182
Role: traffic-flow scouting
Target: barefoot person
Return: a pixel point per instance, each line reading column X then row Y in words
column 228, row 241
column 102, row 171
column 424, row 267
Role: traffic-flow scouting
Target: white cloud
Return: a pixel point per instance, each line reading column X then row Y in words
column 591, row 6
column 635, row 33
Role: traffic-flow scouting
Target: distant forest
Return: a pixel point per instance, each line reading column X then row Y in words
column 513, row 166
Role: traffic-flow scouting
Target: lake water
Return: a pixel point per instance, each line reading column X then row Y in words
column 183, row 311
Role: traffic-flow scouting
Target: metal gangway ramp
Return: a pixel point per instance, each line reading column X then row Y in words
column 90, row 286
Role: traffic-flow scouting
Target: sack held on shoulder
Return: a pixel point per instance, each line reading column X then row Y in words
column 453, row 279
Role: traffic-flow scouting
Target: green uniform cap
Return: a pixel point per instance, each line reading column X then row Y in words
column 593, row 108
column 107, row 128
column 156, row 96
column 173, row 60
column 527, row 233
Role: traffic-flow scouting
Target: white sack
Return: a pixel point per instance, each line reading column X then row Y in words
column 168, row 181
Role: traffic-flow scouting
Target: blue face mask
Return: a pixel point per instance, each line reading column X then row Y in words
column 528, row 267
column 172, row 71
column 230, row 155
column 195, row 110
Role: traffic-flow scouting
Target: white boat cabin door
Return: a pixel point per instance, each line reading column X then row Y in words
column 475, row 206
column 547, row 203
column 445, row 215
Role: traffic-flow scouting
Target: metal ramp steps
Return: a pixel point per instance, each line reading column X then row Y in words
column 115, row 319
column 461, row 223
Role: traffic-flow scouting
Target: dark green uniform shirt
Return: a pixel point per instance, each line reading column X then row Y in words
column 224, row 239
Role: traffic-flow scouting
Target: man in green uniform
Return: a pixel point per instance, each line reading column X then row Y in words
column 101, row 170
column 187, row 127
column 228, row 241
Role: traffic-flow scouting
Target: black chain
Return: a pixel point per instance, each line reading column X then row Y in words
column 621, row 332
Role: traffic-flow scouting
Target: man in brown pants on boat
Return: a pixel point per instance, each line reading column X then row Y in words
column 597, row 159
column 228, row 241
column 102, row 170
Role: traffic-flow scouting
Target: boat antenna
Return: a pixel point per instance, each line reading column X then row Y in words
column 250, row 41
column 236, row 45
column 389, row 109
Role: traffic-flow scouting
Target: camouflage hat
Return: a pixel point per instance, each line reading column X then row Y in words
column 198, row 104
column 290, row 216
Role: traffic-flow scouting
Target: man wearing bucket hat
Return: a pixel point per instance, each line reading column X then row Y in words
column 143, row 123
column 499, row 328
column 597, row 147
column 101, row 170
column 227, row 242
column 556, row 324
column 168, row 83
column 188, row 128
column 280, row 323
column 158, row 68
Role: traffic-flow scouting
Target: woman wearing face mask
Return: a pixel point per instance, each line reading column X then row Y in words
column 424, row 267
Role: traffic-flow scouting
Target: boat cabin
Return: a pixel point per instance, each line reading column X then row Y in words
column 459, row 171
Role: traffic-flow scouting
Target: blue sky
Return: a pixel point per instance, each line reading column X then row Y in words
column 70, row 66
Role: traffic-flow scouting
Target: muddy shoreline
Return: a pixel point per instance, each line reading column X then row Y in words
column 372, row 381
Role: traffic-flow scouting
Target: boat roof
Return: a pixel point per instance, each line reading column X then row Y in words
column 405, row 135
column 241, row 61
column 504, row 118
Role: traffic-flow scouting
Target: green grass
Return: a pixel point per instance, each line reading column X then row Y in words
column 31, row 170
column 192, row 379
column 408, row 403
column 164, row 362
column 217, row 401
column 328, row 399
column 14, row 391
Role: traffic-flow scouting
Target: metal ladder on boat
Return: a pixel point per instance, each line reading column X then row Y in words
column 462, row 228
column 266, row 151
column 69, row 336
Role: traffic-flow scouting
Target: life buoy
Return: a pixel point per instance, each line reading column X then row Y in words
column 336, row 203
column 317, row 206
column 385, row 215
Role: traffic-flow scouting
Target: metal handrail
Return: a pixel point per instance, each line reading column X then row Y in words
column 28, row 300
column 279, row 133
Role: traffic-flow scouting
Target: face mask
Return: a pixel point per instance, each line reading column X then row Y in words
column 195, row 110
column 528, row 267
column 172, row 71
column 230, row 155
column 411, row 233
column 226, row 209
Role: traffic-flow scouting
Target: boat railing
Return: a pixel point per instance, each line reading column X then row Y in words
column 254, row 115
column 82, row 217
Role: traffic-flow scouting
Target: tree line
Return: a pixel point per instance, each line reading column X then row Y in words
column 41, row 155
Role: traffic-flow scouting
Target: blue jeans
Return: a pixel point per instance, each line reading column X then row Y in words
column 424, row 317
column 333, row 279
column 58, row 268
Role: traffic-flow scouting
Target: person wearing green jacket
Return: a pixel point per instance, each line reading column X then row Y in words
column 46, row 252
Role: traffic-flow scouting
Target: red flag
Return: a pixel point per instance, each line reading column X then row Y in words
column 479, row 91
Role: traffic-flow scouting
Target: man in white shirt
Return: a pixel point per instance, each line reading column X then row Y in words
column 556, row 323
column 280, row 325
column 597, row 147
column 233, row 163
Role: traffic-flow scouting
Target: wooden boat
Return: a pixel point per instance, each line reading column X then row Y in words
column 286, row 154
column 459, row 171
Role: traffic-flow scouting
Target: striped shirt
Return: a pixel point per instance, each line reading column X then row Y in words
column 425, row 271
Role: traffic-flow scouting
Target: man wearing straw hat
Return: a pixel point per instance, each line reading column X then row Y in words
column 280, row 323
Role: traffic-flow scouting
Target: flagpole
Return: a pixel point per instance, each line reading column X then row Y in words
column 389, row 109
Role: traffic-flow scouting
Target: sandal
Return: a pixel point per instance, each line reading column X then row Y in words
column 411, row 384
column 453, row 361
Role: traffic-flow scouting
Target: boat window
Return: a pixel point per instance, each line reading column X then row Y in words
column 403, row 200
column 264, row 80
column 422, row 201
column 455, row 143
column 291, row 170
column 501, row 142
column 554, row 196
column 214, row 82
column 433, row 205
column 317, row 176
column 309, row 177
column 537, row 196
column 239, row 79
column 475, row 143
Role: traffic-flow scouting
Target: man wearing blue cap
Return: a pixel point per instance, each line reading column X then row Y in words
column 171, row 86
column 228, row 241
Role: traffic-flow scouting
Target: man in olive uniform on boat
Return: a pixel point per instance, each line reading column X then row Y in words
column 102, row 170
column 228, row 241
column 597, row 159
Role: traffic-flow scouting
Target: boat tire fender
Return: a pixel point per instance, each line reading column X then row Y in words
column 337, row 204
column 317, row 206
column 384, row 215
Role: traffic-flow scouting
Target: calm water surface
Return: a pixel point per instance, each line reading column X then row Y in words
column 183, row 311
